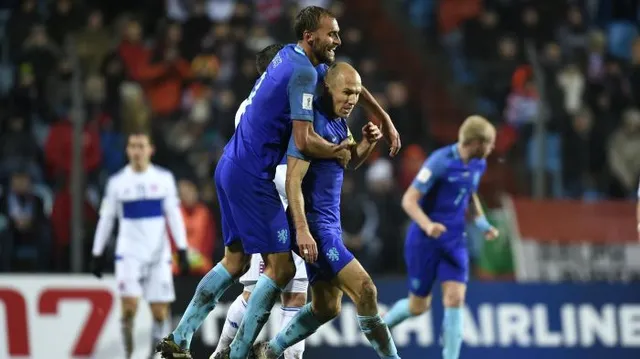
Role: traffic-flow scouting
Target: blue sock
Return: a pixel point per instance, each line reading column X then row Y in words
column 379, row 336
column 208, row 292
column 452, row 326
column 398, row 313
column 299, row 328
column 262, row 299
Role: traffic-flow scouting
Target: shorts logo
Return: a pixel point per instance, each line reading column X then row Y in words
column 333, row 254
column 283, row 235
column 415, row 283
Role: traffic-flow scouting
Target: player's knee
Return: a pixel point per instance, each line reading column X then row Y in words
column 246, row 295
column 281, row 268
column 327, row 311
column 453, row 299
column 368, row 292
column 236, row 265
column 295, row 300
column 418, row 306
column 160, row 312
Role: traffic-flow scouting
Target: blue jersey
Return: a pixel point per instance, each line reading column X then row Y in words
column 285, row 91
column 321, row 70
column 322, row 185
column 447, row 184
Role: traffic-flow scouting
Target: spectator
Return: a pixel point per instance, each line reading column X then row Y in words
column 578, row 147
column 200, row 229
column 380, row 183
column 59, row 149
column 573, row 36
column 624, row 147
column 41, row 54
column 65, row 19
column 132, row 50
column 196, row 27
column 18, row 149
column 61, row 226
column 572, row 82
column 21, row 22
column 30, row 241
column 93, row 43
column 360, row 222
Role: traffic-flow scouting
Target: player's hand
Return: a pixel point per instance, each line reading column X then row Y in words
column 343, row 153
column 491, row 234
column 371, row 133
column 97, row 265
column 392, row 137
column 183, row 262
column 435, row 229
column 307, row 246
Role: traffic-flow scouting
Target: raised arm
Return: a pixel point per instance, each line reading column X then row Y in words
column 360, row 151
column 373, row 108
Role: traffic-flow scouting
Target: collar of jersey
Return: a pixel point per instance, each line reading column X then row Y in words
column 454, row 150
column 321, row 109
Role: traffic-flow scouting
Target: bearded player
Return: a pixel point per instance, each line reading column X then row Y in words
column 144, row 199
column 294, row 295
column 313, row 188
column 253, row 219
column 435, row 245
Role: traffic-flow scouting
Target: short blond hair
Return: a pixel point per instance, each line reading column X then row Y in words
column 476, row 128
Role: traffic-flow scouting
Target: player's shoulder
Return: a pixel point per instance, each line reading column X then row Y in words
column 161, row 171
column 443, row 154
column 118, row 176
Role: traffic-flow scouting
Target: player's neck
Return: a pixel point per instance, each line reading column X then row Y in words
column 307, row 51
column 139, row 168
column 463, row 152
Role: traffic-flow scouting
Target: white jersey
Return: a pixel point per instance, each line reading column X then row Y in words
column 144, row 204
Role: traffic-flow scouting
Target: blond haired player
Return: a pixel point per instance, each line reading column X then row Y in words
column 435, row 247
column 144, row 199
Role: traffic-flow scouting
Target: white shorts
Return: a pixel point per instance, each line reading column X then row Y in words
column 152, row 281
column 298, row 284
column 279, row 180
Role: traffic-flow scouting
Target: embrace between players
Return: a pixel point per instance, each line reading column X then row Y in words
column 292, row 142
column 284, row 122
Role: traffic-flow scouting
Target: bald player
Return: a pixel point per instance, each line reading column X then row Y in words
column 313, row 187
column 435, row 245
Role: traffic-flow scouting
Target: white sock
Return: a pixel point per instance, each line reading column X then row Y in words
column 159, row 329
column 231, row 324
column 295, row 351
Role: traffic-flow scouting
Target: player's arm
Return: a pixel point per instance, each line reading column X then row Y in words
column 297, row 167
column 301, row 89
column 432, row 169
column 171, row 207
column 360, row 151
column 108, row 213
column 175, row 221
column 479, row 219
column 389, row 131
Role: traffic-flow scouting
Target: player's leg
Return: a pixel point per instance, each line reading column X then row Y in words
column 265, row 230
column 232, row 321
column 239, row 306
column 159, row 292
column 129, row 309
column 293, row 299
column 279, row 270
column 358, row 285
column 217, row 281
column 325, row 305
column 453, row 272
column 421, row 258
column 161, row 326
column 128, row 276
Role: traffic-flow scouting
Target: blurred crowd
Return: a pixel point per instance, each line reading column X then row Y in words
column 180, row 70
column 571, row 66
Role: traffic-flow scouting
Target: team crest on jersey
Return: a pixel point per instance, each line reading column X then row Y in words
column 283, row 235
column 333, row 254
